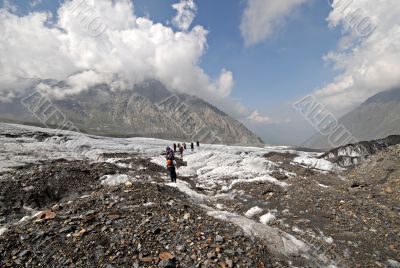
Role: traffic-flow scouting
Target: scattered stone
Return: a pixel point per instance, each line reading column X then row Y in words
column 181, row 248
column 393, row 263
column 46, row 215
column 167, row 263
column 113, row 217
column 219, row 239
column 24, row 253
column 166, row 256
column 229, row 263
column 68, row 229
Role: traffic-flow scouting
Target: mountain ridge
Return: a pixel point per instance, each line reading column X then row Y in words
column 376, row 118
column 148, row 109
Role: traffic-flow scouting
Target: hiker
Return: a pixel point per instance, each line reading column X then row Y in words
column 171, row 169
column 175, row 147
column 198, row 143
column 192, row 146
column 181, row 151
column 170, row 154
column 184, row 145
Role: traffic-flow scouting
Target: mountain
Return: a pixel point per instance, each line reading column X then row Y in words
column 147, row 110
column 376, row 118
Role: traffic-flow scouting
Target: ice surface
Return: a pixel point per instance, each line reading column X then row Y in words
column 316, row 163
column 185, row 188
column 214, row 167
column 149, row 204
column 26, row 218
column 209, row 162
column 114, row 180
column 253, row 211
column 3, row 230
column 278, row 242
column 267, row 218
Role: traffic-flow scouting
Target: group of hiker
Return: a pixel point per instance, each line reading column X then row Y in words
column 181, row 147
column 170, row 156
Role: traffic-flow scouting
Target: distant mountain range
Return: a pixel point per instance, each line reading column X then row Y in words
column 376, row 118
column 147, row 110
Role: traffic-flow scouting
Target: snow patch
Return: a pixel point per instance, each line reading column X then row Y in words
column 253, row 211
column 278, row 242
column 185, row 188
column 267, row 218
column 220, row 206
column 114, row 180
column 26, row 218
column 149, row 204
column 320, row 164
column 3, row 230
column 297, row 230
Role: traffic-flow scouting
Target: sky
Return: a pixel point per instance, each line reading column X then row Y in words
column 251, row 58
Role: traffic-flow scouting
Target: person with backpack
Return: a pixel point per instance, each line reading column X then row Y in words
column 171, row 170
column 181, row 151
column 192, row 146
column 171, row 164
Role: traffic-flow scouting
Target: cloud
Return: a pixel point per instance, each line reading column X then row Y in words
column 186, row 12
column 90, row 43
column 8, row 5
column 257, row 118
column 262, row 17
column 369, row 62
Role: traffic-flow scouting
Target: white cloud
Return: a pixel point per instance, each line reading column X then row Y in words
column 10, row 6
column 128, row 47
column 261, row 18
column 186, row 12
column 224, row 84
column 368, row 64
column 257, row 118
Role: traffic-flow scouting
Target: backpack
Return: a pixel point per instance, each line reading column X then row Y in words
column 170, row 155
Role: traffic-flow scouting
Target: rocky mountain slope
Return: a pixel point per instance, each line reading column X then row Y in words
column 147, row 110
column 376, row 118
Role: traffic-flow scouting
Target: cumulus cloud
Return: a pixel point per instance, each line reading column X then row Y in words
column 125, row 48
column 186, row 12
column 262, row 17
column 368, row 63
column 257, row 118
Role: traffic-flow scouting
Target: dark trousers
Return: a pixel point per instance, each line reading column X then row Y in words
column 172, row 173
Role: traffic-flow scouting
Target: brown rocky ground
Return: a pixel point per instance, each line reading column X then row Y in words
column 139, row 224
column 352, row 217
